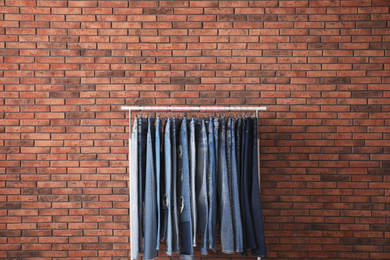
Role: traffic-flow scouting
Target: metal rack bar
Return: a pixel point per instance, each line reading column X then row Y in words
column 193, row 108
column 199, row 108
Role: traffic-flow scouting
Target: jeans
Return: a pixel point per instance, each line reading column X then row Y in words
column 216, row 150
column 212, row 188
column 158, row 178
column 168, row 199
column 227, row 235
column 201, row 182
column 257, row 216
column 142, row 134
column 237, row 223
column 194, row 217
column 184, row 193
column 175, row 211
column 246, row 185
column 150, row 195
column 134, row 216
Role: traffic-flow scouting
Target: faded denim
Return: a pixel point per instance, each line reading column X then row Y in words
column 212, row 188
column 186, row 251
column 134, row 216
column 158, row 179
column 201, row 183
column 194, row 216
column 168, row 198
column 150, row 195
column 227, row 235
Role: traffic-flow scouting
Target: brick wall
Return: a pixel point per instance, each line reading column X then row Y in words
column 321, row 67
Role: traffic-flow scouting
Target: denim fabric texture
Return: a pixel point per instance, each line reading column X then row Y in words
column 186, row 250
column 212, row 188
column 175, row 210
column 201, row 182
column 168, row 198
column 194, row 216
column 142, row 133
column 134, row 216
column 150, row 195
column 235, row 199
column 158, row 179
column 226, row 226
column 257, row 216
column 247, row 173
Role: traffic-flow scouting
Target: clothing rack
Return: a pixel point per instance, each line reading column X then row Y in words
column 193, row 108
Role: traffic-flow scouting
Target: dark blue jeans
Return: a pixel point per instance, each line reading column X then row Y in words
column 175, row 211
column 142, row 133
column 246, row 184
column 257, row 216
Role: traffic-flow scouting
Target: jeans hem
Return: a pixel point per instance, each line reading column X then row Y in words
column 187, row 257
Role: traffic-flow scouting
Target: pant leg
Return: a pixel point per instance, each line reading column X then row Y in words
column 167, row 200
column 237, row 223
column 142, row 133
column 186, row 251
column 134, row 216
column 150, row 196
column 201, row 184
column 194, row 215
column 158, row 178
column 227, row 236
column 212, row 188
column 257, row 216
column 248, row 157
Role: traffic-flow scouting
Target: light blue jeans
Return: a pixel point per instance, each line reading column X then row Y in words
column 201, row 183
column 150, row 195
column 227, row 234
column 186, row 251
column 134, row 217
column 168, row 199
column 212, row 188
column 194, row 216
column 158, row 179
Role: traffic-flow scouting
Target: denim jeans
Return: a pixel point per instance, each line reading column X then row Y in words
column 227, row 235
column 168, row 199
column 212, row 188
column 186, row 251
column 134, row 216
column 158, row 179
column 257, row 216
column 150, row 195
column 142, row 134
column 175, row 211
column 201, row 182
column 246, row 184
column 194, row 216
column 216, row 149
column 237, row 223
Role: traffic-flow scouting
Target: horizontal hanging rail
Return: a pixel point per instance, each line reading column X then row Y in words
column 200, row 108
